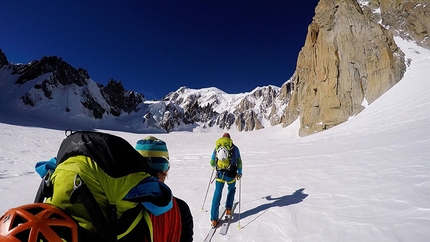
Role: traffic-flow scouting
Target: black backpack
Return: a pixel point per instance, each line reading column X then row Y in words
column 117, row 158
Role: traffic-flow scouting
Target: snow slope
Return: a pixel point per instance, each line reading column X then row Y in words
column 365, row 180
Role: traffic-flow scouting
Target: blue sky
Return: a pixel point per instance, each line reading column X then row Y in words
column 156, row 46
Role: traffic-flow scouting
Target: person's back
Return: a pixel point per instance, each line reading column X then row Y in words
column 178, row 220
column 167, row 226
column 228, row 165
column 186, row 220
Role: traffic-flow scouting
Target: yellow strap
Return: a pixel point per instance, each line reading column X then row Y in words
column 143, row 213
column 222, row 181
column 149, row 223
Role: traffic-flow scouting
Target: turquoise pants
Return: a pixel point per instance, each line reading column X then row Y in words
column 219, row 185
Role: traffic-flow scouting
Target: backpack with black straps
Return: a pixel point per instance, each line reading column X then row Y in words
column 103, row 183
column 225, row 157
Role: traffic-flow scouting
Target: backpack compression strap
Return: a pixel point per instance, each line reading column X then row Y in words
column 104, row 228
column 107, row 229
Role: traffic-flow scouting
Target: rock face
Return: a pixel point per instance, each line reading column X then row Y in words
column 409, row 19
column 3, row 59
column 347, row 59
column 119, row 99
column 64, row 73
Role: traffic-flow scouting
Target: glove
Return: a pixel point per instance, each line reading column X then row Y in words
column 238, row 176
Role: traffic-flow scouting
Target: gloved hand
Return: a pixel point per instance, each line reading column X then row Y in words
column 238, row 176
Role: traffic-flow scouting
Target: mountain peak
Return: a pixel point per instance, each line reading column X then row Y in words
column 64, row 72
column 3, row 59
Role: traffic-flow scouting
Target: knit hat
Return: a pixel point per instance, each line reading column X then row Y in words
column 156, row 150
column 226, row 135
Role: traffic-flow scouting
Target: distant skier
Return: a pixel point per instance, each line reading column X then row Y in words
column 228, row 164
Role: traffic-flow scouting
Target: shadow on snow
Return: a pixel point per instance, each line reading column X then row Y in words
column 283, row 201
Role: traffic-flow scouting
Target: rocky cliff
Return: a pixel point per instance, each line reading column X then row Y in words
column 348, row 61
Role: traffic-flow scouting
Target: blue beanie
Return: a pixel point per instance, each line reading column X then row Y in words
column 155, row 149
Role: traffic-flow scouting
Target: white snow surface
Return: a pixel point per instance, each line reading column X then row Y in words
column 365, row 180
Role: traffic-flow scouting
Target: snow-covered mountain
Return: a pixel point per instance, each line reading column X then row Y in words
column 32, row 90
column 213, row 107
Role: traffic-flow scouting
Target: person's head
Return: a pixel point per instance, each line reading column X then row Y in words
column 226, row 135
column 156, row 150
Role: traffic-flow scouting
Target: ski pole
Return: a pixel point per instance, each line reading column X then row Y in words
column 207, row 190
column 240, row 194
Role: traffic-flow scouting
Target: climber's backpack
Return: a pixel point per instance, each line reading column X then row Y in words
column 225, row 157
column 91, row 180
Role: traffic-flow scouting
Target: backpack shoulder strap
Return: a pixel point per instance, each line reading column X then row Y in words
column 104, row 227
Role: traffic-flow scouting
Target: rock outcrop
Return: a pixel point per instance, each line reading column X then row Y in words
column 409, row 19
column 119, row 99
column 347, row 59
column 3, row 59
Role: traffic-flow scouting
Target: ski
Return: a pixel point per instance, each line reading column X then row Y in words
column 224, row 226
column 213, row 228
